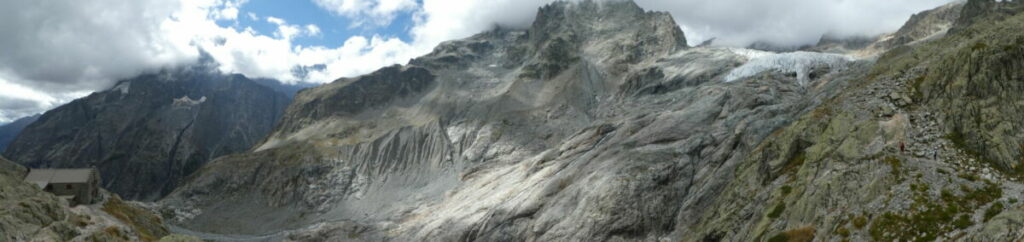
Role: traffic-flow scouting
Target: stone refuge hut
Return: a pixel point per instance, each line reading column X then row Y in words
column 78, row 186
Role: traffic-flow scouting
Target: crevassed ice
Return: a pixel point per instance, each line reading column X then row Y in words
column 799, row 62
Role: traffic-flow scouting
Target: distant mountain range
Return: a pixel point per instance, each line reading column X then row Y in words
column 11, row 130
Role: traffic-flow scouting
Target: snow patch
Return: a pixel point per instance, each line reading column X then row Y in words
column 750, row 54
column 186, row 101
column 123, row 87
column 799, row 62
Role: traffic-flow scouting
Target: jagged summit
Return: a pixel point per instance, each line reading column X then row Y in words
column 615, row 31
column 593, row 19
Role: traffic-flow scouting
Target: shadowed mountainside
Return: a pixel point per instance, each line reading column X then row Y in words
column 147, row 133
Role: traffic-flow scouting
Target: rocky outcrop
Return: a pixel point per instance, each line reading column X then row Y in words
column 30, row 214
column 978, row 71
column 147, row 133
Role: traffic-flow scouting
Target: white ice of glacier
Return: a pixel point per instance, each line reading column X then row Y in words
column 799, row 62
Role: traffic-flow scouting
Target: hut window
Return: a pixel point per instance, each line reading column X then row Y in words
column 68, row 186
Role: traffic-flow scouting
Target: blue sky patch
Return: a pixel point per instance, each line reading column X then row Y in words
column 334, row 29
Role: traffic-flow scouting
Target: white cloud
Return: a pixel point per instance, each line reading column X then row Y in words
column 276, row 21
column 284, row 30
column 441, row 20
column 19, row 101
column 57, row 49
column 312, row 30
column 786, row 22
column 252, row 16
column 375, row 12
column 228, row 11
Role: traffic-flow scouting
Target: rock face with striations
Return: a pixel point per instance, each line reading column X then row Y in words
column 149, row 132
column 598, row 123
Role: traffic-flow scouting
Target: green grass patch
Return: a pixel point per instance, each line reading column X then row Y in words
column 794, row 164
column 843, row 231
column 919, row 187
column 979, row 46
column 148, row 225
column 860, row 221
column 993, row 210
column 963, row 222
column 777, row 211
column 928, row 219
column 916, row 89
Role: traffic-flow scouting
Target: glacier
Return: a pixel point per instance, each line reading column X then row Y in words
column 799, row 62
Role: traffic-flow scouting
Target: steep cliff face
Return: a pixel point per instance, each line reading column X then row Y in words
column 149, row 132
column 979, row 71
